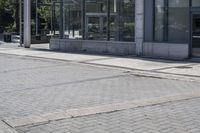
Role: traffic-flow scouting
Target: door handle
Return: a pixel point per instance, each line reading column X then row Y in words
column 197, row 37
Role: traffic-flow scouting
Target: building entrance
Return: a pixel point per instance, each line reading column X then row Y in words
column 196, row 35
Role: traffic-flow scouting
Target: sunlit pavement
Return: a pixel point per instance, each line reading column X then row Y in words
column 49, row 92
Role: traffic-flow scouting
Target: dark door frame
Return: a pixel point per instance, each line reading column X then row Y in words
column 193, row 11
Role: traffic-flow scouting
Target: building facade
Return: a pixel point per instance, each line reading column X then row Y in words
column 172, row 28
column 153, row 28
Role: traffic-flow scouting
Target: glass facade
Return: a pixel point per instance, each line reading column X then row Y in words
column 196, row 3
column 55, row 18
column 96, row 19
column 72, row 19
column 159, row 20
column 122, row 20
column 178, row 21
column 171, row 21
column 111, row 20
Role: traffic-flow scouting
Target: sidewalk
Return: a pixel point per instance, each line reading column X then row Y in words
column 176, row 117
column 4, row 128
column 183, row 68
column 44, row 91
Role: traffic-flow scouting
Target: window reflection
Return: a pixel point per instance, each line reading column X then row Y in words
column 196, row 3
column 72, row 19
column 96, row 19
column 122, row 20
column 97, row 22
column 171, row 21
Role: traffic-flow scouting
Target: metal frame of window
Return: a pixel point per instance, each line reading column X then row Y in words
column 165, row 21
column 61, row 19
column 108, row 20
column 83, row 19
column 193, row 11
column 166, row 17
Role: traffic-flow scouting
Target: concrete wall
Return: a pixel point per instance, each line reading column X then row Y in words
column 90, row 46
column 166, row 50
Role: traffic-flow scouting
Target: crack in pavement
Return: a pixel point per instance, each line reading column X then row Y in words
column 6, row 128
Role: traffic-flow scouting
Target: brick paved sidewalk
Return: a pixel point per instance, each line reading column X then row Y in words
column 37, row 87
column 48, row 86
column 175, row 117
column 185, row 68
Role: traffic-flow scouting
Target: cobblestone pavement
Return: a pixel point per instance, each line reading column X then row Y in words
column 176, row 117
column 34, row 86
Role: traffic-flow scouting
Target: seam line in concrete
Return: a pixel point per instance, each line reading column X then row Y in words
column 165, row 68
column 133, row 69
column 6, row 128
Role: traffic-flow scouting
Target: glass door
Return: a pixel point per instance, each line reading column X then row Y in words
column 196, row 35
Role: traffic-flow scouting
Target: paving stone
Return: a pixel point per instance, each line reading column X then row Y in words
column 36, row 87
column 176, row 117
column 4, row 128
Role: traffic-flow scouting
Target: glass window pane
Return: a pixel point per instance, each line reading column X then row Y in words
column 172, row 21
column 159, row 20
column 56, row 18
column 122, row 20
column 72, row 19
column 196, row 3
column 96, row 19
column 43, row 23
column 178, row 21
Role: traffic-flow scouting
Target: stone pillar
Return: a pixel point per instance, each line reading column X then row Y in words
column 139, row 26
column 27, row 23
column 20, row 23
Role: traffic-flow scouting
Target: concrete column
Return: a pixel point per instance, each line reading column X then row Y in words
column 20, row 22
column 27, row 23
column 83, row 20
column 139, row 26
column 36, row 17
